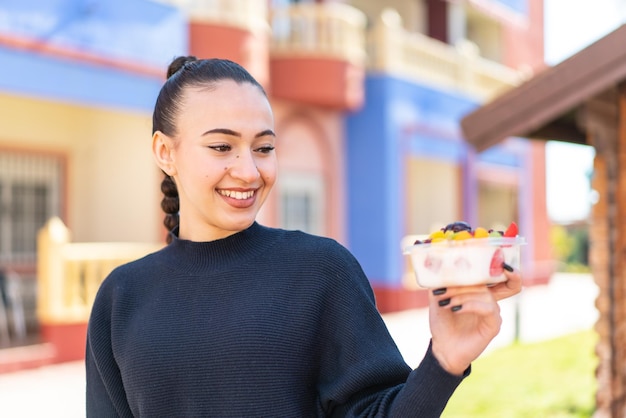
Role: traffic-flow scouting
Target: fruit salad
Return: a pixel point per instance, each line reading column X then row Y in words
column 457, row 255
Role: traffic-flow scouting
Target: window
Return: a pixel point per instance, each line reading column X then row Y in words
column 29, row 196
column 431, row 204
column 302, row 203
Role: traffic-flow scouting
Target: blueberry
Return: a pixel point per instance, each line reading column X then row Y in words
column 457, row 226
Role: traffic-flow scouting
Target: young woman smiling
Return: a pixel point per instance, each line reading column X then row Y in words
column 235, row 319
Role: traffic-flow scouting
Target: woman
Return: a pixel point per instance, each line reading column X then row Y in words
column 234, row 319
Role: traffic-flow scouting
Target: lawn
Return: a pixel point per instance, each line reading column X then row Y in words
column 551, row 379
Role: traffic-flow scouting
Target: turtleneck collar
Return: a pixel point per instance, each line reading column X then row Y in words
column 195, row 257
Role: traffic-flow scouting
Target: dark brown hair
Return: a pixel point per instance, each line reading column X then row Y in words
column 182, row 73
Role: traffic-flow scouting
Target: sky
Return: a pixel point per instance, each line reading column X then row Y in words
column 571, row 25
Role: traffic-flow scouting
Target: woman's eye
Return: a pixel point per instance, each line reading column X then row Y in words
column 266, row 149
column 220, row 148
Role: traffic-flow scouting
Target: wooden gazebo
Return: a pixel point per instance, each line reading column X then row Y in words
column 582, row 100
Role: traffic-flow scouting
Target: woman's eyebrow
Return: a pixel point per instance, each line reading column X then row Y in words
column 267, row 132
column 225, row 131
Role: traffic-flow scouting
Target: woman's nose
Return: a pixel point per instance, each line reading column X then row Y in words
column 244, row 167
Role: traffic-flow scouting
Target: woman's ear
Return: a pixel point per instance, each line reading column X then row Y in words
column 162, row 147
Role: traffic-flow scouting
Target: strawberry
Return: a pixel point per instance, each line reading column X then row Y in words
column 511, row 231
column 497, row 260
column 432, row 263
column 462, row 263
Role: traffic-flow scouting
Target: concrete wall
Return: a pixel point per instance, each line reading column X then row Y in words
column 112, row 185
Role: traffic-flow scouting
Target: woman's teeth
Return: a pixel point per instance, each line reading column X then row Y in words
column 237, row 195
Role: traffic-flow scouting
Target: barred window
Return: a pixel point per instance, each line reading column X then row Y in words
column 30, row 188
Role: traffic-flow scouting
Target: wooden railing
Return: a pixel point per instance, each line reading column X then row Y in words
column 331, row 30
column 69, row 274
column 393, row 50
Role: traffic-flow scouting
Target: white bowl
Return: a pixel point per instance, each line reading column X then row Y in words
column 464, row 262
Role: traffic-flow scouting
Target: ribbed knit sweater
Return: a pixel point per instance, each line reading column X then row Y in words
column 263, row 323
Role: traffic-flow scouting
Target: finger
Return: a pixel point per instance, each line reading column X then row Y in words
column 514, row 280
column 441, row 297
column 458, row 301
column 474, row 306
column 454, row 298
column 456, row 290
column 508, row 288
column 447, row 293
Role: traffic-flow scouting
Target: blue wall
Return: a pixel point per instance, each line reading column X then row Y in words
column 372, row 158
column 50, row 78
column 400, row 118
column 519, row 6
column 137, row 32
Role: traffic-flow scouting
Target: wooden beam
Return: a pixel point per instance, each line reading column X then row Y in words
column 565, row 130
column 551, row 94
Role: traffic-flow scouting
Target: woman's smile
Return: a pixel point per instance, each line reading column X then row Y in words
column 241, row 199
column 239, row 195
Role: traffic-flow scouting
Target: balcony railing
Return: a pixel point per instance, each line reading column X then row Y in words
column 246, row 14
column 393, row 50
column 328, row 30
column 338, row 31
column 69, row 274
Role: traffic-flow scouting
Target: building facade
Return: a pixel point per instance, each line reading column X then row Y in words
column 367, row 108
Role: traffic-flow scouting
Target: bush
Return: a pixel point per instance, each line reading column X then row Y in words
column 570, row 245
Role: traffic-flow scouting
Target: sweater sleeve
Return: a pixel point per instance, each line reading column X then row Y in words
column 363, row 373
column 105, row 395
column 427, row 390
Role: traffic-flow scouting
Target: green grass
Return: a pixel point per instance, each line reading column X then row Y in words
column 551, row 379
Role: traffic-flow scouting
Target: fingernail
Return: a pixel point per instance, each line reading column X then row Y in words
column 444, row 302
column 438, row 292
column 456, row 308
column 507, row 267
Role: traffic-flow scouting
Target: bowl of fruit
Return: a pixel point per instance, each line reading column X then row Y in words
column 458, row 255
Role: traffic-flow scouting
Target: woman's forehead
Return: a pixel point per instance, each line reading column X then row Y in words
column 226, row 103
column 225, row 93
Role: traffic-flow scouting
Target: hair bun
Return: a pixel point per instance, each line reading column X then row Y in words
column 178, row 63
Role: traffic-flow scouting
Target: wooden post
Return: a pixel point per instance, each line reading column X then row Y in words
column 619, row 402
column 606, row 127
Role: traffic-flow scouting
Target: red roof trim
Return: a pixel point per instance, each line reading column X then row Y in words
column 35, row 46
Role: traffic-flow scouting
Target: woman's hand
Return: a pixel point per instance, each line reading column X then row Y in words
column 464, row 320
column 512, row 286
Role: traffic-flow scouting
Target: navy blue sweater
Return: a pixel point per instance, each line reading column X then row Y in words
column 264, row 323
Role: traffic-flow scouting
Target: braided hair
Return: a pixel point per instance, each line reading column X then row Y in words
column 182, row 73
